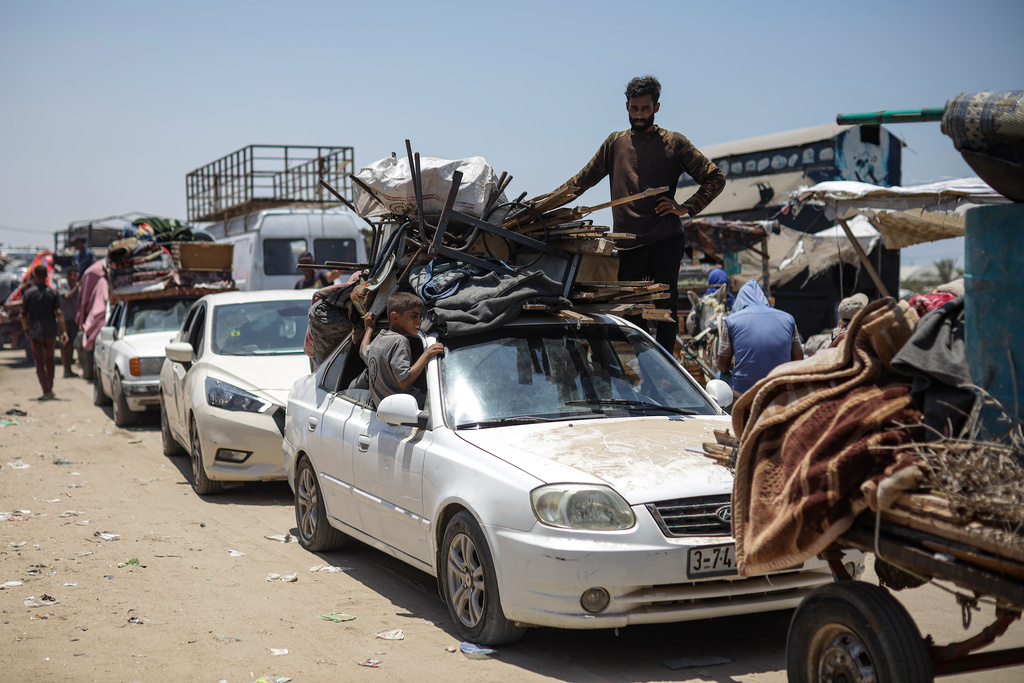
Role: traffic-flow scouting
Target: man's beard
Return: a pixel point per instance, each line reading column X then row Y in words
column 642, row 125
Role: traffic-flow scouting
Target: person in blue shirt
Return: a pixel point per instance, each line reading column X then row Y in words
column 83, row 256
column 756, row 338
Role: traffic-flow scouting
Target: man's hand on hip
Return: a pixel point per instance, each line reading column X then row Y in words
column 667, row 206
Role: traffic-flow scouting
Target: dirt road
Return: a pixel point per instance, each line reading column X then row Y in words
column 95, row 499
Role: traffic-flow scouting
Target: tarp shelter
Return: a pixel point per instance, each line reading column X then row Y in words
column 792, row 253
column 903, row 215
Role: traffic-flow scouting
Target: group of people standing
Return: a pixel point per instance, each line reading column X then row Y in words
column 50, row 316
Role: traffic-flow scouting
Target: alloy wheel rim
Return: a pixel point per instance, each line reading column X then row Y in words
column 466, row 581
column 196, row 455
column 307, row 504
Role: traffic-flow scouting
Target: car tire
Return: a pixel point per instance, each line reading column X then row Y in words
column 88, row 365
column 202, row 485
column 470, row 586
column 123, row 416
column 99, row 397
column 315, row 532
column 170, row 446
column 851, row 630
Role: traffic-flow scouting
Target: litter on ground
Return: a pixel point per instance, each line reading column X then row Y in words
column 337, row 617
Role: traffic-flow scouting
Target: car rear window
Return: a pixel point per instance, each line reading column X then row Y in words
column 260, row 328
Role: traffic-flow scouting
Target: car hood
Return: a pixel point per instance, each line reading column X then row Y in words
column 146, row 344
column 644, row 459
column 271, row 375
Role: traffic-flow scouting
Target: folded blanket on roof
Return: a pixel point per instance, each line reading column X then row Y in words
column 486, row 302
column 811, row 433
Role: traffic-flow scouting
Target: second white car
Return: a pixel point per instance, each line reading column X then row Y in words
column 224, row 385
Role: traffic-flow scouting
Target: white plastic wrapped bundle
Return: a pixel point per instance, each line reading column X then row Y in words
column 392, row 181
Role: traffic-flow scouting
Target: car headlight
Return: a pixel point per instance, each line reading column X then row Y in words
column 581, row 506
column 223, row 395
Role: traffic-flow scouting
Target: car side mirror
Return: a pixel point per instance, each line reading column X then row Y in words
column 179, row 352
column 401, row 410
column 107, row 333
column 720, row 392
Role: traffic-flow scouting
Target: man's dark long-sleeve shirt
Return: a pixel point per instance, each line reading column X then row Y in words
column 635, row 162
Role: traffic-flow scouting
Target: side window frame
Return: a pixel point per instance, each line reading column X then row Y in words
column 197, row 332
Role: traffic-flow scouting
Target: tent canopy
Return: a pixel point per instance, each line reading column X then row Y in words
column 903, row 215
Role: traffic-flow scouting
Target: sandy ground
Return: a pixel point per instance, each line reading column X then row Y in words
column 197, row 606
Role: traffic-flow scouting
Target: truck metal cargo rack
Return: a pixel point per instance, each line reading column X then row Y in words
column 265, row 176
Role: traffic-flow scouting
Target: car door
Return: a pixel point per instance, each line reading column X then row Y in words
column 102, row 349
column 326, row 425
column 191, row 332
column 387, row 466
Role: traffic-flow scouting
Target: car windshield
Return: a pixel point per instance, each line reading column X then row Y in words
column 156, row 315
column 534, row 373
column 260, row 328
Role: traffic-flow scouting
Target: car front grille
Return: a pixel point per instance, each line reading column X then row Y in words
column 701, row 516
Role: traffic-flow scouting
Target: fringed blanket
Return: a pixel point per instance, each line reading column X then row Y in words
column 811, row 433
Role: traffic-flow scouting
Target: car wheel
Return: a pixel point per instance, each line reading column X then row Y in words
column 202, row 485
column 171, row 447
column 315, row 532
column 853, row 631
column 86, row 358
column 470, row 586
column 123, row 416
column 99, row 397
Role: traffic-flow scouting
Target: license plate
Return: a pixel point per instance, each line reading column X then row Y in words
column 711, row 560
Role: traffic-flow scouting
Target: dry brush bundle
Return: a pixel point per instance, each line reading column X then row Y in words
column 982, row 477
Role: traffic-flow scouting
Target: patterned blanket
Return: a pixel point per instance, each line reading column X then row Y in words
column 811, row 433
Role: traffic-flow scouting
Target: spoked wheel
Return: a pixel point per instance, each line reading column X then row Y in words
column 853, row 632
column 200, row 482
column 315, row 532
column 470, row 586
column 522, row 216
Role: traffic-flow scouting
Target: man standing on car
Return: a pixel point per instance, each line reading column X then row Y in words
column 642, row 158
column 41, row 319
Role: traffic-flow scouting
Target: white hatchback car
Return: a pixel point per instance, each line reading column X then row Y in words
column 554, row 478
column 129, row 352
column 224, row 385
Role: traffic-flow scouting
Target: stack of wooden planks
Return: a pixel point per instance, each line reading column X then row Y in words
column 621, row 298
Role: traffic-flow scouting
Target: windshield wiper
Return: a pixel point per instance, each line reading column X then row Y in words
column 631, row 403
column 502, row 421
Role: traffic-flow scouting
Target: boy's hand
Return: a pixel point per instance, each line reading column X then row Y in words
column 434, row 350
column 369, row 320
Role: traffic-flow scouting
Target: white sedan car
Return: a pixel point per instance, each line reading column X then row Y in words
column 553, row 478
column 130, row 351
column 224, row 385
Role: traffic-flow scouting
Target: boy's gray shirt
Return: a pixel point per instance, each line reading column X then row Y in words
column 388, row 360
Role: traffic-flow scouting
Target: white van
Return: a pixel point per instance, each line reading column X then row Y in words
column 268, row 243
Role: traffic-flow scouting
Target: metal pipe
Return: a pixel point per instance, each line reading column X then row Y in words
column 891, row 116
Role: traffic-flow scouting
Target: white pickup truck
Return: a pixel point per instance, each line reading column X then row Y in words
column 130, row 351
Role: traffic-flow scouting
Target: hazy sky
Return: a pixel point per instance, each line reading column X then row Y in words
column 106, row 106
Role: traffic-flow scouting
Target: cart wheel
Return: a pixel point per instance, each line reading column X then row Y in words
column 853, row 631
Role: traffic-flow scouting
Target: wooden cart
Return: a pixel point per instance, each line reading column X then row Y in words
column 854, row 631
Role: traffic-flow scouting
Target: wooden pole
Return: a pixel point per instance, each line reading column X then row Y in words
column 863, row 258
